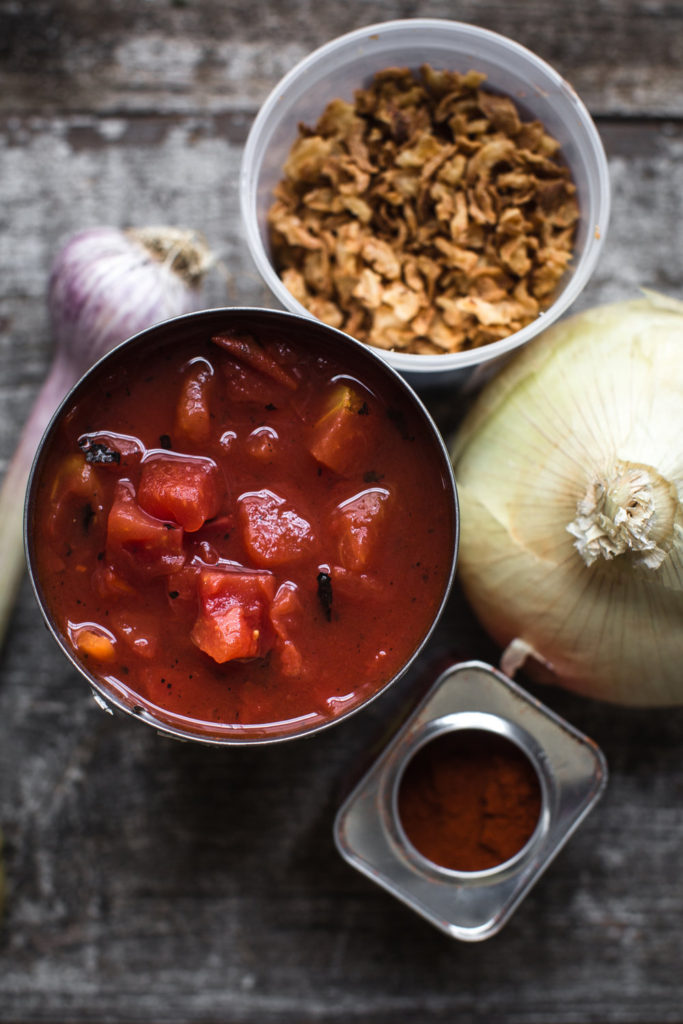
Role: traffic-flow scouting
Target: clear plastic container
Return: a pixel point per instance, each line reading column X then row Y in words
column 348, row 63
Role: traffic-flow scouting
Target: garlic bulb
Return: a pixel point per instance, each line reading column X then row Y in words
column 569, row 469
column 106, row 285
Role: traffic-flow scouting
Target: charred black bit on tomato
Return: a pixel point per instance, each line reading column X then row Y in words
column 397, row 417
column 173, row 594
column 165, row 442
column 364, row 410
column 372, row 477
column 97, row 452
column 270, row 407
column 325, row 593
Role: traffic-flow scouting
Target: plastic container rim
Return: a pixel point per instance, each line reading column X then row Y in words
column 596, row 226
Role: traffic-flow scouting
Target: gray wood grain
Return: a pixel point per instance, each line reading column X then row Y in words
column 152, row 881
column 623, row 56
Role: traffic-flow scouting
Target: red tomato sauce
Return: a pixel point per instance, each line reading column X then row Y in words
column 240, row 535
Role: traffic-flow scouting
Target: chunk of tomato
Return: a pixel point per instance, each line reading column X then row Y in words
column 273, row 532
column 234, row 614
column 182, row 587
column 340, row 434
column 357, row 525
column 185, row 490
column 75, row 492
column 193, row 412
column 138, row 633
column 110, row 451
column 264, row 358
column 137, row 543
column 108, row 583
column 242, row 384
column 286, row 615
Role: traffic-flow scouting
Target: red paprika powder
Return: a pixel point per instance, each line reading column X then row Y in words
column 469, row 800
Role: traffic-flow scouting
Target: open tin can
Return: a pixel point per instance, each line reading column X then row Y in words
column 467, row 701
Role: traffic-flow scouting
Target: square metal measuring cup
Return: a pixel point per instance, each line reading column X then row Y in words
column 471, row 905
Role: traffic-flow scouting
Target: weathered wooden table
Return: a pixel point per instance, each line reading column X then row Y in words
column 153, row 881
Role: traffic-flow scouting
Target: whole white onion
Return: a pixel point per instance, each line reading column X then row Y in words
column 569, row 469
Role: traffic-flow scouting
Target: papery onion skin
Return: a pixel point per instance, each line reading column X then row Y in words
column 600, row 390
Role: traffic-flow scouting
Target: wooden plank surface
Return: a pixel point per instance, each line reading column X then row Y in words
column 155, row 881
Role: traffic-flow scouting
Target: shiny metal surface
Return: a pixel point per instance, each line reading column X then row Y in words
column 329, row 341
column 471, row 905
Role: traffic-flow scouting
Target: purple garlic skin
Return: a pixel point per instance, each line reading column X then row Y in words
column 107, row 284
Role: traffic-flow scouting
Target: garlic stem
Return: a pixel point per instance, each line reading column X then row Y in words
column 628, row 510
column 106, row 284
column 182, row 250
column 14, row 484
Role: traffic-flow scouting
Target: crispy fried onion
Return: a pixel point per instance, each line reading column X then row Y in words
column 426, row 216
